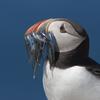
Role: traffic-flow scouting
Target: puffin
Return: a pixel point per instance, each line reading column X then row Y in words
column 61, row 47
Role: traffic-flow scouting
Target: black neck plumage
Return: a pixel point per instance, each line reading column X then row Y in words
column 66, row 60
column 79, row 56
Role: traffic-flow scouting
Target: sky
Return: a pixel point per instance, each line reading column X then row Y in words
column 16, row 80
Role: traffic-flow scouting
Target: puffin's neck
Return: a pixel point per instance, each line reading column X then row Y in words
column 78, row 56
column 65, row 60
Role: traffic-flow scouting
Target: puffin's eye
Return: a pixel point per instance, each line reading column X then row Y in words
column 62, row 29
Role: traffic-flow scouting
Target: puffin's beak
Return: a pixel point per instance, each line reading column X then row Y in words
column 39, row 43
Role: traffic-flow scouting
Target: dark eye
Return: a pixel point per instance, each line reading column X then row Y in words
column 62, row 29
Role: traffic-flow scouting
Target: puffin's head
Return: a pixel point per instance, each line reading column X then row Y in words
column 59, row 36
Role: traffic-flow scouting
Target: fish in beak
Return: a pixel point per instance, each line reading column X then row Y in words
column 39, row 44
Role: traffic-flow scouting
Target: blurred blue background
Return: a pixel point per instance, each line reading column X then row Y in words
column 16, row 81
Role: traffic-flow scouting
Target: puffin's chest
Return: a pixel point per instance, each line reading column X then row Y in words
column 74, row 83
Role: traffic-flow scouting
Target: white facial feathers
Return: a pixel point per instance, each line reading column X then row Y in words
column 66, row 37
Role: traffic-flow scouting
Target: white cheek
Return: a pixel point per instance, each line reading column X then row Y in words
column 67, row 42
